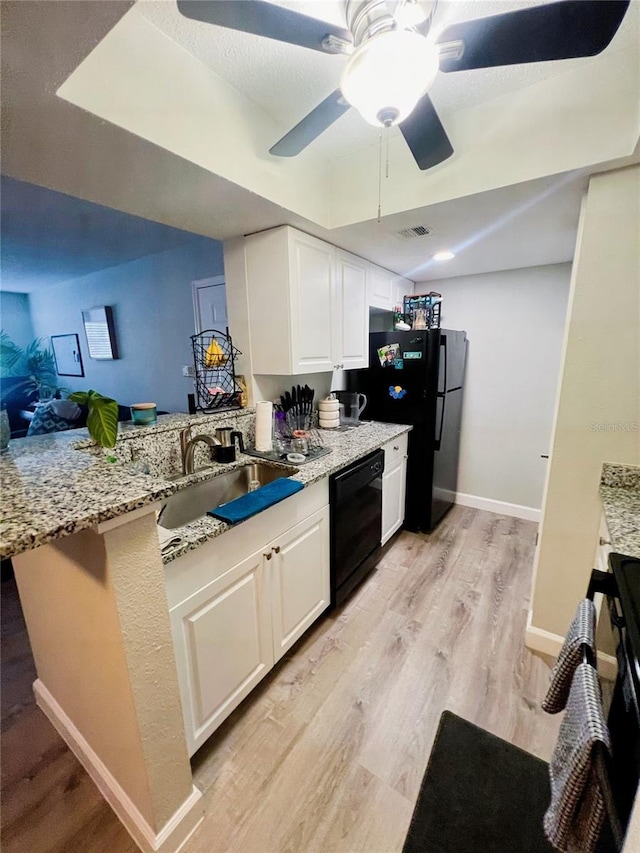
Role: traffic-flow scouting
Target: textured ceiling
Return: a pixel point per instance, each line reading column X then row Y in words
column 287, row 81
column 48, row 141
column 49, row 237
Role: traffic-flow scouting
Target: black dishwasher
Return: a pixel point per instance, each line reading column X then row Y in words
column 356, row 523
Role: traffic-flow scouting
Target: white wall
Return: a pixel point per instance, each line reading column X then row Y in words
column 598, row 412
column 153, row 314
column 514, row 322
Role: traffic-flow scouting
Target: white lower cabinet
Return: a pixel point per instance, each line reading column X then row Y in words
column 300, row 580
column 229, row 633
column 394, row 486
column 222, row 638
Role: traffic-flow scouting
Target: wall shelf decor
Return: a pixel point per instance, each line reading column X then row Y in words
column 215, row 376
column 66, row 351
column 100, row 331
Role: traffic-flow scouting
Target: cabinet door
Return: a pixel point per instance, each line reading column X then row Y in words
column 222, row 638
column 393, row 497
column 351, row 321
column 401, row 287
column 300, row 579
column 380, row 288
column 312, row 283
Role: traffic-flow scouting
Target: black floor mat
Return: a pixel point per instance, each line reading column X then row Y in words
column 480, row 794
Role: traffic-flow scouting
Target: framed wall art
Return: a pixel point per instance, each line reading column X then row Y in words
column 100, row 331
column 66, row 351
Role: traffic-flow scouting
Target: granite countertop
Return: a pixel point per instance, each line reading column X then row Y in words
column 620, row 496
column 346, row 447
column 51, row 488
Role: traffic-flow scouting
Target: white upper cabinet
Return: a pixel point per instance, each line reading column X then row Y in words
column 306, row 310
column 401, row 287
column 351, row 347
column 381, row 290
column 386, row 290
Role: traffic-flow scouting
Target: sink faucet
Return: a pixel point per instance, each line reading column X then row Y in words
column 188, row 445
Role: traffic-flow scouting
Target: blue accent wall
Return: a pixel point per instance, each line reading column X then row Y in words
column 153, row 314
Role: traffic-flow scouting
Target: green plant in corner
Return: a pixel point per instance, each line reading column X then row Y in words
column 102, row 420
column 35, row 363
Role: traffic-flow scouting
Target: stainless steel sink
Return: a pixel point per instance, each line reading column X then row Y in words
column 195, row 501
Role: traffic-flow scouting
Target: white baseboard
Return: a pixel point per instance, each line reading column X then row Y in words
column 178, row 829
column 501, row 507
column 539, row 640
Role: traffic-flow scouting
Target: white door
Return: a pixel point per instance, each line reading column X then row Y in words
column 210, row 304
column 312, row 277
column 393, row 498
column 300, row 579
column 222, row 638
column 352, row 312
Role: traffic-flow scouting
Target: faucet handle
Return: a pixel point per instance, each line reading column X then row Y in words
column 237, row 434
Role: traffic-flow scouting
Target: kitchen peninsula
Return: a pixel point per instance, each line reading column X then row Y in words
column 93, row 585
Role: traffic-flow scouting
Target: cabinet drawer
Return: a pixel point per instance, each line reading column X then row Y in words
column 394, row 450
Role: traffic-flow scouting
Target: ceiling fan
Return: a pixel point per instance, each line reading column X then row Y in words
column 392, row 62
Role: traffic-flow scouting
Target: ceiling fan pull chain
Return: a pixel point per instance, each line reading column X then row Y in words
column 387, row 130
column 380, row 174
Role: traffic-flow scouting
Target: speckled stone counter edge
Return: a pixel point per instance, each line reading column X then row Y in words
column 52, row 489
column 625, row 476
column 620, row 496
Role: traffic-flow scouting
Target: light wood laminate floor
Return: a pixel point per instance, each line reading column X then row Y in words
column 329, row 752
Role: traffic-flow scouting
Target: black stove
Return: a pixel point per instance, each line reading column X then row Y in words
column 624, row 713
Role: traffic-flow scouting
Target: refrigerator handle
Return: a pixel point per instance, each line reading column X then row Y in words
column 438, row 440
column 443, row 355
column 442, row 394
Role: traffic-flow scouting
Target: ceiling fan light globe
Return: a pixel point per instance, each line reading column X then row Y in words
column 387, row 74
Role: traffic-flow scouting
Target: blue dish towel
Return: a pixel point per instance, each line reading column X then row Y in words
column 255, row 502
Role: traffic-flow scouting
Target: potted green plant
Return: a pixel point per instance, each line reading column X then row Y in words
column 102, row 420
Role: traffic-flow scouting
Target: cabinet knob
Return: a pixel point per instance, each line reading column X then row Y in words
column 276, row 550
column 604, row 541
column 268, row 556
column 396, row 447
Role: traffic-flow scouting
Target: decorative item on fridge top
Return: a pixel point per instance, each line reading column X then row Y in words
column 422, row 311
column 216, row 386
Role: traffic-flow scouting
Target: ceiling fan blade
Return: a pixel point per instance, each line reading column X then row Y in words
column 425, row 135
column 311, row 126
column 263, row 19
column 563, row 30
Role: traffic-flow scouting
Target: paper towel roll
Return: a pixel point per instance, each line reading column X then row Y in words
column 264, row 422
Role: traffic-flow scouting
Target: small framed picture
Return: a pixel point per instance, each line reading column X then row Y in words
column 66, row 350
column 100, row 330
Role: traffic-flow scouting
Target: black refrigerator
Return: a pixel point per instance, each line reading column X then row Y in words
column 417, row 378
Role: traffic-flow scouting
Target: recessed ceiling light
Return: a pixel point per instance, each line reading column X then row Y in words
column 443, row 256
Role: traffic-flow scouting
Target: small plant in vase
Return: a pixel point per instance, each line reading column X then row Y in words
column 102, row 420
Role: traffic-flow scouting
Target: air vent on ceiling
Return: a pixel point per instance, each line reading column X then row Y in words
column 416, row 231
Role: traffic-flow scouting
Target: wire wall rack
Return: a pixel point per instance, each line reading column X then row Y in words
column 216, row 386
column 422, row 311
